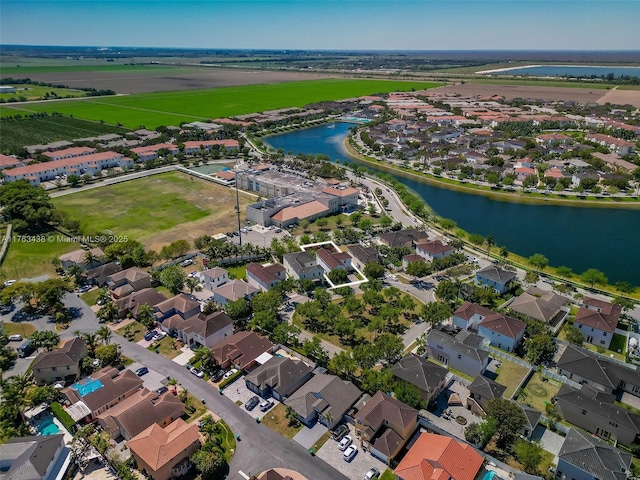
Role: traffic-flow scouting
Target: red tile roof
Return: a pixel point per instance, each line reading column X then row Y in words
column 340, row 192
column 436, row 457
column 605, row 318
column 66, row 162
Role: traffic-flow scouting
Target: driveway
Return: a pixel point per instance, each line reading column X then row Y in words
column 549, row 441
column 152, row 380
column 450, row 424
column 356, row 468
column 307, row 437
column 238, row 391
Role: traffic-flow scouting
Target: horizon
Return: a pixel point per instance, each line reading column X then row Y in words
column 325, row 25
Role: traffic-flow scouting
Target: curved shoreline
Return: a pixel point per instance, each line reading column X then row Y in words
column 494, row 195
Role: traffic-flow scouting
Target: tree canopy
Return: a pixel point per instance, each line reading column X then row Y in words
column 29, row 207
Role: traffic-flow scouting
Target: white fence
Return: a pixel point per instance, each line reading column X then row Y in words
column 504, row 355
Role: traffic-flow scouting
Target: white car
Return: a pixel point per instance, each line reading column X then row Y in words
column 265, row 405
column 349, row 453
column 15, row 338
column 8, row 283
column 196, row 372
column 344, row 443
column 229, row 373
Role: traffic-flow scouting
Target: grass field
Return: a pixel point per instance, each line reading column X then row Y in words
column 12, row 68
column 539, row 391
column 16, row 134
column 171, row 108
column 276, row 420
column 510, row 375
column 21, row 328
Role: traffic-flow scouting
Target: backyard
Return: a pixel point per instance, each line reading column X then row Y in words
column 510, row 375
column 277, row 421
column 539, row 391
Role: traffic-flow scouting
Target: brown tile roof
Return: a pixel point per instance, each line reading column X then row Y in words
column 235, row 290
column 300, row 211
column 364, row 255
column 437, row 457
column 180, row 303
column 486, row 388
column 78, row 256
column 434, row 248
column 68, row 354
column 383, row 408
column 70, row 152
column 114, row 385
column 206, row 325
column 538, row 304
column 332, row 259
column 605, row 318
column 507, row 326
column 340, row 192
column 242, row 348
column 266, row 274
column 226, row 175
column 132, row 274
column 133, row 302
column 159, row 446
column 468, row 310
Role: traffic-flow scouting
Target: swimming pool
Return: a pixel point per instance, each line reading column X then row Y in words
column 47, row 427
column 89, row 385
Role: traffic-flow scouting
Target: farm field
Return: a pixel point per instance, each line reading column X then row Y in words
column 171, row 108
column 37, row 92
column 16, row 134
column 174, row 206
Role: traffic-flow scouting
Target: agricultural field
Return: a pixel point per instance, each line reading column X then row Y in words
column 174, row 206
column 172, row 108
column 38, row 92
column 16, row 134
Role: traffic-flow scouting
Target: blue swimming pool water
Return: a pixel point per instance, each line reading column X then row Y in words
column 489, row 475
column 47, row 427
column 88, row 386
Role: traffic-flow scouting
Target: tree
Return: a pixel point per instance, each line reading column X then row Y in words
column 343, row 365
column 436, row 312
column 373, row 270
column 108, row 354
column 538, row 261
column 338, row 276
column 509, row 419
column 206, row 358
column 529, row 454
column 146, row 316
column 210, row 462
column 238, row 309
column 108, row 312
column 192, row 284
column 504, row 252
column 531, row 277
column 73, row 180
column 29, row 207
column 409, row 394
column 624, row 303
column 564, row 272
column 173, row 278
column 90, row 340
column 45, row 339
column 418, row 269
column 388, row 347
column 104, row 334
column 593, row 277
column 373, row 380
column 322, row 223
column 574, row 335
column 446, row 291
column 385, row 222
column 539, row 347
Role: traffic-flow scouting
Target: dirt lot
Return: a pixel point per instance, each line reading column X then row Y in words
column 581, row 95
column 161, row 78
column 621, row 97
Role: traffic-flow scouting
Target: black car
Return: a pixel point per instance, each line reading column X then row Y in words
column 161, row 390
column 149, row 336
column 339, row 433
column 218, row 375
column 142, row 371
column 252, row 403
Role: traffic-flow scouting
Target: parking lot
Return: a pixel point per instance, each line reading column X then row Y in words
column 356, row 468
column 238, row 391
column 259, row 236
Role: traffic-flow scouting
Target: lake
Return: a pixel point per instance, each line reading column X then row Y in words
column 578, row 237
column 571, row 71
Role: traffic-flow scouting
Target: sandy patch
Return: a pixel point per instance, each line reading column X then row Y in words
column 621, row 97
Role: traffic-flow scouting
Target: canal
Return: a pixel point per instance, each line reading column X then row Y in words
column 578, row 237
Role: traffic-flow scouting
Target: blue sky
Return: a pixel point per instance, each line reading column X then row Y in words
column 326, row 24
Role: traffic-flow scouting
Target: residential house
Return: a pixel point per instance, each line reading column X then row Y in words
column 621, row 147
column 80, row 257
column 127, row 281
column 35, row 457
column 495, row 278
column 385, row 425
column 60, row 364
column 541, row 305
column 70, row 152
column 138, row 412
column 469, row 315
column 411, row 258
column 482, row 390
column 213, row 278
column 434, row 457
column 102, row 390
column 434, row 249
column 279, row 377
column 100, row 275
column 329, row 260
column 325, row 398
column 403, row 238
column 503, row 332
column 265, row 277
column 428, row 377
column 201, row 329
column 584, row 457
column 596, row 413
column 464, row 352
column 165, row 453
column 9, row 162
column 151, row 152
column 362, row 255
column 302, row 266
column 131, row 303
column 532, row 417
column 241, row 350
column 181, row 306
column 232, row 291
column 597, row 320
column 587, row 368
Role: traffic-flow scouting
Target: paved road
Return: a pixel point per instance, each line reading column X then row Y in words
column 260, row 448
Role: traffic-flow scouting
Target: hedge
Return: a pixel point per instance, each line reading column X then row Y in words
column 63, row 416
column 230, row 380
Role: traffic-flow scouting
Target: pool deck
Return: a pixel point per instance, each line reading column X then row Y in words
column 67, row 436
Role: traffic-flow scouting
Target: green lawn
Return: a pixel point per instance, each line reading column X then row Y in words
column 227, row 440
column 388, row 475
column 618, row 344
column 90, row 298
column 275, row 419
column 136, row 329
column 20, row 328
column 165, row 347
column 510, row 375
column 239, row 272
column 171, row 108
column 539, row 392
column 195, row 408
column 27, row 259
column 37, row 92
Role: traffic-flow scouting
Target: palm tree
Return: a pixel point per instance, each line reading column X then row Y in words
column 91, row 340
column 108, row 312
column 490, row 243
column 89, row 258
column 104, row 334
column 146, row 316
column 192, row 284
column 76, row 272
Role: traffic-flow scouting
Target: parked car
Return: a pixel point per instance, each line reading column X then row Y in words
column 142, row 371
column 196, row 372
column 159, row 336
column 8, row 283
column 216, row 377
column 266, row 405
column 372, row 474
column 339, row 432
column 349, row 453
column 15, row 338
column 344, row 443
column 84, row 288
column 161, row 390
column 229, row 373
column 186, row 263
column 252, row 403
column 149, row 336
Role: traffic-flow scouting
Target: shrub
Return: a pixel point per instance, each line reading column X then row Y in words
column 230, row 380
column 63, row 416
